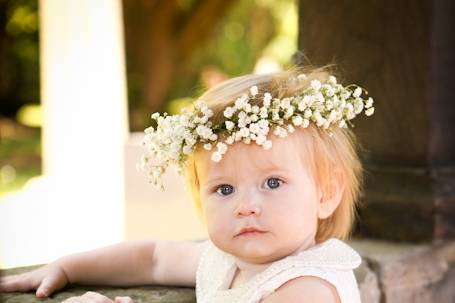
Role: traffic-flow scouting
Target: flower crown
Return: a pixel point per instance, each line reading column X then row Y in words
column 176, row 136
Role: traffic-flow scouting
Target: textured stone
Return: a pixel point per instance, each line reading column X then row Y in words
column 410, row 273
column 143, row 294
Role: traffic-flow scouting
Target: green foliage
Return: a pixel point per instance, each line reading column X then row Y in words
column 20, row 62
column 251, row 29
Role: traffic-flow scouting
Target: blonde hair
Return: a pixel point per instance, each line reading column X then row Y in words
column 325, row 154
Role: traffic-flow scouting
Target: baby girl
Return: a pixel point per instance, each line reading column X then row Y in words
column 272, row 167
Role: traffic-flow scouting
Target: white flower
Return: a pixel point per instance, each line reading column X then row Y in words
column 357, row 92
column 207, row 146
column 267, row 99
column 297, row 120
column 308, row 113
column 229, row 140
column 342, row 124
column 255, row 109
column 155, row 116
column 229, row 124
column 244, row 132
column 254, row 90
column 332, row 80
column 267, row 144
column 228, row 112
column 369, row 103
column 305, row 123
column 315, row 84
column 240, row 102
column 358, row 106
column 222, row 148
column 254, row 128
column 260, row 139
column 369, row 111
column 187, row 149
column 216, row 156
column 263, row 123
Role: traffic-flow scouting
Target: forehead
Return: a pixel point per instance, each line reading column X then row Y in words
column 286, row 154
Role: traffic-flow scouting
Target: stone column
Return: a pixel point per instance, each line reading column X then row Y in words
column 404, row 54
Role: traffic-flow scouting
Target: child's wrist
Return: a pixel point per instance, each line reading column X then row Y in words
column 63, row 265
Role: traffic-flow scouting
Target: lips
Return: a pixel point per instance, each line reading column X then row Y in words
column 250, row 231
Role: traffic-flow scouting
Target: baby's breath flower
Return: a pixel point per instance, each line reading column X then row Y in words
column 254, row 90
column 216, row 156
column 315, row 84
column 326, row 105
column 267, row 144
column 305, row 123
column 228, row 112
column 369, row 102
column 267, row 99
column 297, row 120
column 357, row 92
column 222, row 148
column 229, row 125
column 369, row 111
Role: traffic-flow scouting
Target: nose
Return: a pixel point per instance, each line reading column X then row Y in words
column 248, row 205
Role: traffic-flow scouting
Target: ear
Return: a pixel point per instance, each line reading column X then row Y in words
column 331, row 197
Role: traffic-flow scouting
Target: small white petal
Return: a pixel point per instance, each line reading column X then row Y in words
column 315, row 84
column 254, row 90
column 216, row 156
column 369, row 111
column 357, row 92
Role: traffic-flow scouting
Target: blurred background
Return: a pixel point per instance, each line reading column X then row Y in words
column 169, row 52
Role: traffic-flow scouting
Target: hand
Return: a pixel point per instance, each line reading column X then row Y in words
column 46, row 280
column 94, row 297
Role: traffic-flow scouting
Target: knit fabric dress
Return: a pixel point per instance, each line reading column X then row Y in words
column 332, row 260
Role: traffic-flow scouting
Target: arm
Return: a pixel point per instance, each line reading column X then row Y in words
column 127, row 263
column 136, row 263
column 304, row 289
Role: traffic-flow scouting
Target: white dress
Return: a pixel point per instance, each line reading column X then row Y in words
column 332, row 260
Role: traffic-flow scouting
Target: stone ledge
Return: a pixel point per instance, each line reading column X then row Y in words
column 140, row 294
column 390, row 273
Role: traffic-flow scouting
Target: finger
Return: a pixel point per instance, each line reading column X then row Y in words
column 15, row 283
column 48, row 286
column 123, row 300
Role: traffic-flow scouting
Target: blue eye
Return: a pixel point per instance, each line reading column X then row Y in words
column 225, row 189
column 273, row 183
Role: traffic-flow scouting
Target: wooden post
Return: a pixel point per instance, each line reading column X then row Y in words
column 404, row 54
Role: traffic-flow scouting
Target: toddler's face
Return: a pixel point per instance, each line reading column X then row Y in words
column 259, row 205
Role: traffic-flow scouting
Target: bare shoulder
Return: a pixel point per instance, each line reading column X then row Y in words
column 176, row 262
column 304, row 289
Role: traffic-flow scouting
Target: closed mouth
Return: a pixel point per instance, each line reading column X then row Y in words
column 250, row 231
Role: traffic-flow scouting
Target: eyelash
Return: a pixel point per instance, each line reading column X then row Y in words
column 217, row 188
